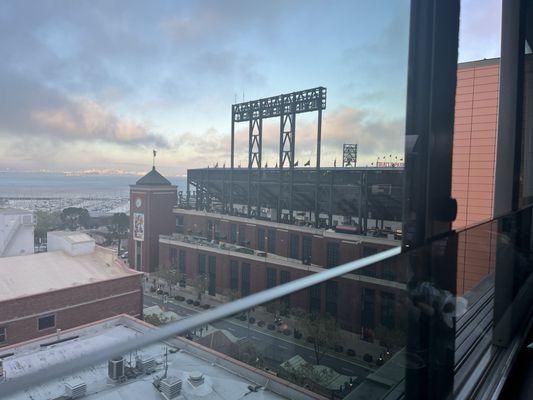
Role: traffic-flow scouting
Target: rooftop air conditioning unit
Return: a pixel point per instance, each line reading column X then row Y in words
column 170, row 387
column 76, row 389
column 146, row 365
column 116, row 368
column 196, row 378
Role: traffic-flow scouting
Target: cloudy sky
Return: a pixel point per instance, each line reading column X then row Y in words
column 96, row 85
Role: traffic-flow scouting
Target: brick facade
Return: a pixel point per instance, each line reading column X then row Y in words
column 72, row 307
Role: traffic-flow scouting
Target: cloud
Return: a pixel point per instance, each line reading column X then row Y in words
column 29, row 108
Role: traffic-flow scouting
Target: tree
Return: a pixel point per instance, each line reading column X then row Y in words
column 75, row 217
column 170, row 276
column 154, row 320
column 199, row 283
column 120, row 223
column 321, row 327
column 46, row 222
column 250, row 354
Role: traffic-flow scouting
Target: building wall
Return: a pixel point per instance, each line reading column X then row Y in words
column 474, row 144
column 157, row 204
column 349, row 249
column 350, row 292
column 73, row 307
column 22, row 240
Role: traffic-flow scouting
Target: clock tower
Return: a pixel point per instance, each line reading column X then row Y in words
column 151, row 201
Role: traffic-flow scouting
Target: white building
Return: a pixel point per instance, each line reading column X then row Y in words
column 16, row 232
column 194, row 372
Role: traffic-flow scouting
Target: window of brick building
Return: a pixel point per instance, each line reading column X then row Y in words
column 233, row 233
column 388, row 315
column 284, row 277
column 173, row 256
column 46, row 322
column 271, row 277
column 183, row 255
column 294, row 241
column 367, row 316
column 3, row 335
column 233, row 275
column 306, row 249
column 201, row 264
column 179, row 224
column 242, row 234
column 212, row 284
column 315, row 298
column 245, row 279
column 271, row 240
column 331, row 298
column 261, row 239
column 332, row 255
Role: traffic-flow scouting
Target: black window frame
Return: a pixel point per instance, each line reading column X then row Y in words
column 294, row 246
column 332, row 254
column 3, row 334
column 43, row 317
column 387, row 317
column 245, row 279
column 261, row 239
column 234, row 275
column 271, row 277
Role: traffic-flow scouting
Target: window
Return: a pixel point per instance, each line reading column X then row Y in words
column 306, row 249
column 245, row 279
column 183, row 255
column 271, row 240
column 388, row 271
column 315, row 298
column 294, row 242
column 173, row 256
column 284, row 277
column 242, row 234
column 233, row 275
column 201, row 264
column 47, row 322
column 3, row 335
column 332, row 256
column 233, row 233
column 367, row 316
column 179, row 224
column 271, row 277
column 212, row 284
column 138, row 255
column 260, row 239
column 331, row 298
column 388, row 315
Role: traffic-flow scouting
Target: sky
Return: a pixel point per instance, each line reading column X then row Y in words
column 95, row 85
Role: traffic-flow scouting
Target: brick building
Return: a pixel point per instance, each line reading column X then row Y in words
column 240, row 256
column 474, row 161
column 151, row 201
column 41, row 293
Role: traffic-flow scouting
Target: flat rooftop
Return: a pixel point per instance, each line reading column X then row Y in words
column 14, row 211
column 31, row 274
column 219, row 382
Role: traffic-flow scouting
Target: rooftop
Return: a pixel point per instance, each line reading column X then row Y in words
column 32, row 274
column 153, row 178
column 73, row 237
column 296, row 228
column 219, row 381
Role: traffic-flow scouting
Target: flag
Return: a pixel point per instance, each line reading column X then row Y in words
column 296, row 164
column 155, row 152
column 276, row 165
column 216, row 165
column 335, row 163
column 308, row 163
column 266, row 164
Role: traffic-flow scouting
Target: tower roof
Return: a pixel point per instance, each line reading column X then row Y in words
column 153, row 178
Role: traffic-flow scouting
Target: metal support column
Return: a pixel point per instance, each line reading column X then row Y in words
column 428, row 206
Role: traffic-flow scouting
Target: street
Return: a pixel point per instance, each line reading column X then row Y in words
column 281, row 349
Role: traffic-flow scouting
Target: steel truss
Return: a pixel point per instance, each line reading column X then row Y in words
column 284, row 106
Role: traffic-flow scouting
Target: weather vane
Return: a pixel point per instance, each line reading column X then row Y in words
column 153, row 160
